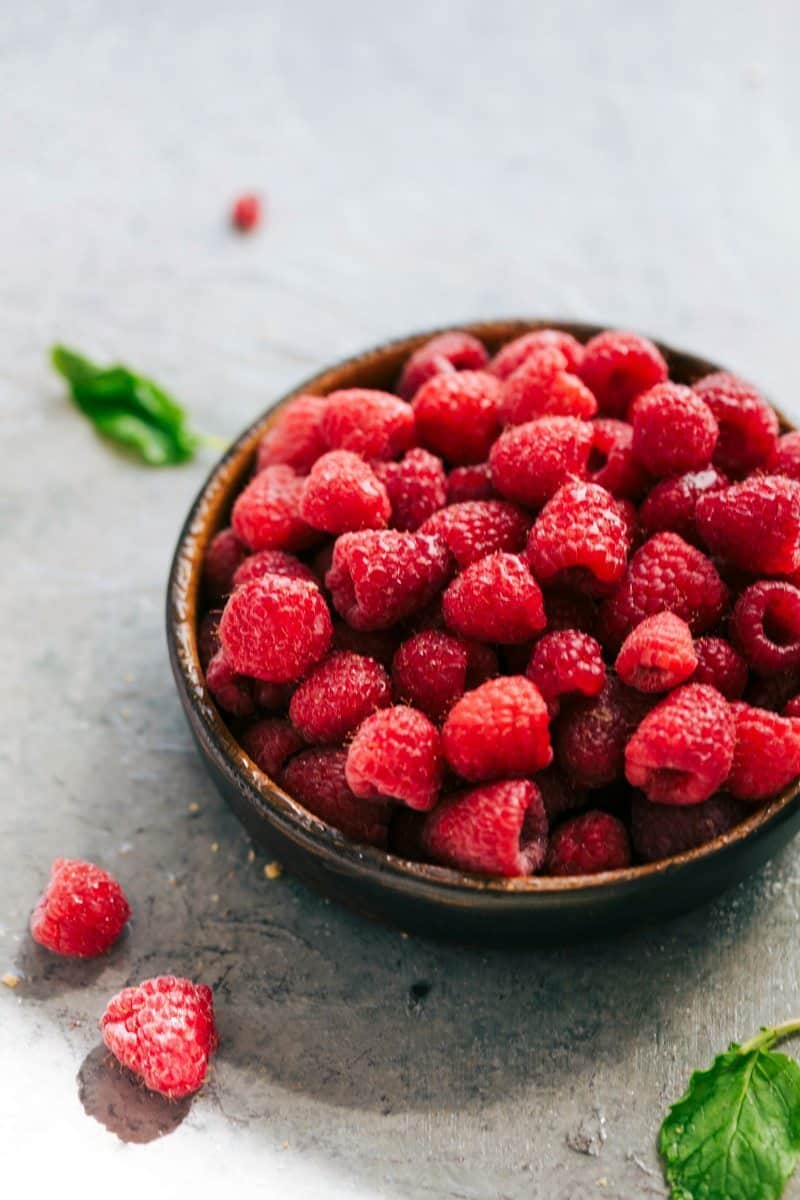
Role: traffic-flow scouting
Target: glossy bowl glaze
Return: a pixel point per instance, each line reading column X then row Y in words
column 413, row 896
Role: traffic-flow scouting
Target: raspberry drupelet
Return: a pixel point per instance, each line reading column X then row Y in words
column 566, row 661
column 496, row 599
column 396, row 754
column 433, row 668
column 337, row 696
column 378, row 578
column 657, row 655
column 476, row 528
column 416, row 487
column 342, row 494
column 316, row 779
column 766, row 626
column 589, row 843
column 496, row 829
column 457, row 417
column 511, row 356
column 530, row 462
column 275, row 629
column 499, row 730
column 617, row 366
column 81, row 912
column 294, row 438
column 444, row 354
column 580, row 538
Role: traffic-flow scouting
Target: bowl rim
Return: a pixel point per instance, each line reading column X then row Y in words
column 264, row 793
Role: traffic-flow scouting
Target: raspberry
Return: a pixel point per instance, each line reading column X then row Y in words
column 163, row 1030
column 432, row 669
column 470, row 483
column 767, row 754
column 559, row 794
column 498, row 730
column 275, row 628
column 294, row 438
column 766, row 626
column 374, row 424
column 232, row 692
column 266, row 515
column 246, row 213
column 272, row 562
column 515, row 353
column 208, row 637
column 81, row 912
column 379, row 578
column 379, row 644
column 665, row 575
column 224, row 554
column 580, row 538
column 417, row 487
column 498, row 829
column 566, row 661
column 662, row 830
column 671, row 504
column 748, row 427
column 337, row 696
column 591, row 842
column 719, row 665
column 495, row 600
column 541, row 385
column 457, row 415
column 269, row 743
column 617, row 366
column 754, row 525
column 591, row 735
column 566, row 609
column 785, row 458
column 476, row 528
column 792, row 709
column 611, row 463
column 657, row 655
column 343, row 494
column 447, row 353
column 673, row 430
column 683, row 750
column 530, row 462
column 316, row 779
column 396, row 754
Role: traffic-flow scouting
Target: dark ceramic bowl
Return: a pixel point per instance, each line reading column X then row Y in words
column 417, row 897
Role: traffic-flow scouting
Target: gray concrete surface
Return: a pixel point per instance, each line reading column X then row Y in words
column 424, row 163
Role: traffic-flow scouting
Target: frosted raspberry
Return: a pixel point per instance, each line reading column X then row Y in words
column 591, row 735
column 671, row 503
column 432, row 669
column 232, row 692
column 294, row 438
column 81, row 912
column 618, row 366
column 457, row 415
column 208, row 636
column 559, row 794
column 515, row 353
column 269, row 743
column 719, row 665
column 379, row 578
column 163, row 1030
column 785, row 458
column 767, row 754
column 316, row 779
column 396, row 754
column 566, row 661
column 579, row 538
column 567, row 609
column 673, row 430
column 611, row 463
column 500, row 729
column 417, row 487
column 748, row 427
column 587, row 844
column 541, row 385
column 446, row 353
column 663, row 830
column 530, row 462
column 224, row 554
column 275, row 628
column 470, row 483
column 337, row 696
column 766, row 626
column 476, row 528
column 495, row 600
column 657, row 655
column 379, row 644
column 683, row 750
column 266, row 515
column 272, row 562
column 754, row 525
column 367, row 422
column 792, row 709
column 343, row 494
column 497, row 829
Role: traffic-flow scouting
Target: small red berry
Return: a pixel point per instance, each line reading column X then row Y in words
column 496, row 829
column 470, row 483
column 673, row 430
column 269, row 743
column 337, row 696
column 316, row 779
column 501, row 729
column 294, row 436
column 754, row 525
column 611, row 462
column 476, row 528
column 272, row 562
column 542, row 385
column 618, row 366
column 663, row 830
column 396, row 754
column 246, row 213
column 530, row 462
column 564, row 661
column 719, row 665
column 457, row 416
column 432, row 669
column 224, row 554
column 767, row 754
column 766, row 626
column 275, row 628
column 496, row 599
column 232, row 691
column 589, row 843
column 380, row 577
column 342, row 494
column 511, row 356
column 657, row 655
column 581, row 538
column 416, row 486
column 81, row 912
column 444, row 354
column 748, row 426
column 671, row 504
column 591, row 734
column 266, row 515
column 368, row 422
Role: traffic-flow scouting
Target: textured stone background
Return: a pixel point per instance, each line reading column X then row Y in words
column 425, row 163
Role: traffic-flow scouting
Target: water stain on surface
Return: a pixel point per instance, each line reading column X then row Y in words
column 120, row 1102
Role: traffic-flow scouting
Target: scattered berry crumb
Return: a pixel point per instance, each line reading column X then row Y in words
column 273, row 870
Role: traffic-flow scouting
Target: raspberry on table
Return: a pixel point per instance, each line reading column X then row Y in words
column 499, row 730
column 785, row 458
column 766, row 626
column 457, row 416
column 416, row 486
column 396, row 754
column 671, row 504
column 580, row 537
column 378, row 578
column 530, row 462
column 342, row 494
column 432, row 669
column 224, row 554
column 163, row 1030
column 266, row 515
column 719, row 665
column 511, row 356
column 275, row 628
column 81, row 912
column 588, row 843
column 337, row 696
column 316, row 779
column 682, row 751
column 673, row 430
column 748, row 426
column 590, row 736
column 272, row 562
column 496, row 599
column 611, row 463
column 658, row 654
column 470, row 483
column 496, row 829
column 664, row 830
column 767, row 754
column 269, row 742
column 208, row 636
column 232, row 692
column 618, row 366
column 564, row 661
column 446, row 353
column 754, row 525
column 294, row 437
column 542, row 385
column 476, row 528
column 367, row 422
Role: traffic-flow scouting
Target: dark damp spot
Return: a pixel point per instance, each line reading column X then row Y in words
column 417, row 994
column 121, row 1102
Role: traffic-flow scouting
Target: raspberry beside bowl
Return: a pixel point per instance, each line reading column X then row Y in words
column 419, row 897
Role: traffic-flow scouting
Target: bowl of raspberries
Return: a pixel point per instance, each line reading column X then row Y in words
column 495, row 632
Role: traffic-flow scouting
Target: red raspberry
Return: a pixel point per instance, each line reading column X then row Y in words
column 432, row 669
column 657, row 655
column 766, row 626
column 275, row 629
column 580, row 538
column 566, row 661
column 515, row 353
column 497, row 829
column 719, row 665
column 498, row 730
column 367, row 422
column 785, row 458
column 611, row 463
column 444, row 354
column 530, row 462
column 81, row 912
column 748, row 427
column 224, row 554
column 379, row 578
column 566, row 609
column 273, row 562
column 559, row 794
column 269, row 743
column 767, row 754
column 618, row 366
column 470, row 483
column 591, row 734
column 337, row 696
column 208, row 637
column 495, row 600
column 246, row 213
column 476, row 528
column 671, row 504
column 673, row 430
column 541, row 385
column 457, row 415
column 343, row 494
column 163, row 1030
column 396, row 754
column 266, row 515
column 683, row 750
column 294, row 438
column 379, row 644
column 662, row 830
column 587, row 844
column 792, row 709
column 232, row 692
column 665, row 575
column 316, row 779
column 754, row 525
column 417, row 487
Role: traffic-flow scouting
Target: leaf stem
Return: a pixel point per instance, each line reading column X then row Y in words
column 769, row 1035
